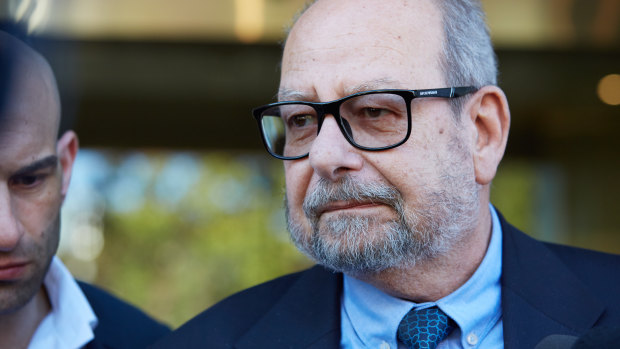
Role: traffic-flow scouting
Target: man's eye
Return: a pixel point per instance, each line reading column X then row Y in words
column 302, row 120
column 374, row 113
column 27, row 181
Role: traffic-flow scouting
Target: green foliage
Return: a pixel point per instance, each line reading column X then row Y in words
column 226, row 234
column 512, row 192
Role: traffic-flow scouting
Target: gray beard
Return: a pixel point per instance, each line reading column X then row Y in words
column 361, row 245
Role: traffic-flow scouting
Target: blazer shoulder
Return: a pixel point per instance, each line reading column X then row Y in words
column 594, row 267
column 597, row 270
column 572, row 254
column 554, row 289
column 121, row 325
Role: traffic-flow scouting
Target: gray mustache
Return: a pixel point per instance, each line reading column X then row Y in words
column 348, row 189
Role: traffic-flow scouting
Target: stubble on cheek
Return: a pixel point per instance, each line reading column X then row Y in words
column 298, row 225
column 38, row 247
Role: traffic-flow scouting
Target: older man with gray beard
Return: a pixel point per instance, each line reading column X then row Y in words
column 391, row 128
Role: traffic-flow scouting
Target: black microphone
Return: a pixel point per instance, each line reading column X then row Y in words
column 557, row 341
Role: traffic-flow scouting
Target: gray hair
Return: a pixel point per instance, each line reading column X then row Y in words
column 468, row 58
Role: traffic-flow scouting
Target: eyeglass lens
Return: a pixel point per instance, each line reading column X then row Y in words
column 373, row 120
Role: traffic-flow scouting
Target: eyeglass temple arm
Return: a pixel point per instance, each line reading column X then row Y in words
column 448, row 92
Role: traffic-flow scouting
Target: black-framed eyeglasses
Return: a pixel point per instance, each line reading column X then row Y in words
column 371, row 120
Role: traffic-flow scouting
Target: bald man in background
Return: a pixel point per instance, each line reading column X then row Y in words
column 41, row 304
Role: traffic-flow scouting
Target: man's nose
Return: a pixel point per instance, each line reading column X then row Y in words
column 331, row 155
column 10, row 233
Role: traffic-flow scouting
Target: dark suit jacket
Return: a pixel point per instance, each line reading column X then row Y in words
column 121, row 326
column 546, row 289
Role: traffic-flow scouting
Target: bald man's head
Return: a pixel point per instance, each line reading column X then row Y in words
column 35, row 170
column 31, row 95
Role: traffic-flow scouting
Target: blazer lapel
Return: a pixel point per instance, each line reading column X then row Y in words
column 307, row 315
column 540, row 295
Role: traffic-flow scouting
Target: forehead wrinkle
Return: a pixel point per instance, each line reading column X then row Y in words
column 296, row 57
column 376, row 84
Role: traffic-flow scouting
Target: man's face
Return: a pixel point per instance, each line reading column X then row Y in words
column 359, row 211
column 32, row 186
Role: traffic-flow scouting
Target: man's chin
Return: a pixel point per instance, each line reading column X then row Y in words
column 355, row 257
column 352, row 243
column 14, row 296
column 356, row 267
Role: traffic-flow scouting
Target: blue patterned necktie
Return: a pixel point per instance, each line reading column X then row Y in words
column 424, row 329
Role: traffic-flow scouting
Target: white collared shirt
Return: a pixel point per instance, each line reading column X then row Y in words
column 70, row 323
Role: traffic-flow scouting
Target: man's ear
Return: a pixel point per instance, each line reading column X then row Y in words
column 66, row 148
column 489, row 113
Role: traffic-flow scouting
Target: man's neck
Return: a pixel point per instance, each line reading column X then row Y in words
column 436, row 278
column 17, row 328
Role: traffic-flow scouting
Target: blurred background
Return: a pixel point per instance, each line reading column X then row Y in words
column 174, row 203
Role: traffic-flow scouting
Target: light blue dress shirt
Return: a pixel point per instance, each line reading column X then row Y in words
column 370, row 317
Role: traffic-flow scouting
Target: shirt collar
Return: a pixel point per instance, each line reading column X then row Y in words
column 475, row 306
column 71, row 321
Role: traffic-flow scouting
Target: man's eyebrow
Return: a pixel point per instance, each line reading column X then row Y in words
column 378, row 84
column 286, row 94
column 47, row 162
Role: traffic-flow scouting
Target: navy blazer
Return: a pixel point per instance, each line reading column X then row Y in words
column 121, row 325
column 546, row 289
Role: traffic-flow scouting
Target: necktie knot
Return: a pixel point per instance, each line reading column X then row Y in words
column 424, row 328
